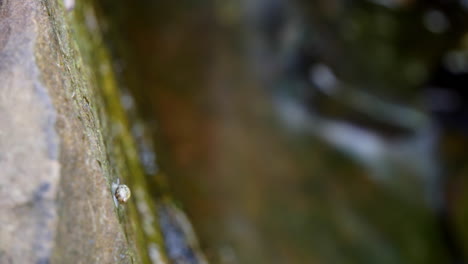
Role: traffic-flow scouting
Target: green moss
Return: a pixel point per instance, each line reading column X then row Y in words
column 93, row 88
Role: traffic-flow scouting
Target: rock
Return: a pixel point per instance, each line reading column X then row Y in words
column 55, row 200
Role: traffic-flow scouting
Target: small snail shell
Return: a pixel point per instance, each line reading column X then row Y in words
column 122, row 193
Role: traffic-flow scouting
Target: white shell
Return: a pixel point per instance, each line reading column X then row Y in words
column 69, row 4
column 122, row 193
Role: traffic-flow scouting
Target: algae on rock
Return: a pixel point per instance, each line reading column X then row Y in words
column 64, row 139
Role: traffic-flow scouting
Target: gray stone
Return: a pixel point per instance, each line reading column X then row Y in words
column 55, row 200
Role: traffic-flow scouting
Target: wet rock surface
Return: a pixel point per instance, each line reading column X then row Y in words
column 55, row 200
column 28, row 141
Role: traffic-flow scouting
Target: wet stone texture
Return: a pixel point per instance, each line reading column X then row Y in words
column 55, row 199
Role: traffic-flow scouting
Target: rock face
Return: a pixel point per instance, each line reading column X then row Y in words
column 28, row 141
column 55, row 200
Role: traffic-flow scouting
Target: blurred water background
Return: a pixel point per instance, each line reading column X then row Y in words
column 325, row 131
